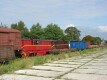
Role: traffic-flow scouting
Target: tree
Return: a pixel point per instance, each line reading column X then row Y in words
column 66, row 37
column 3, row 26
column 73, row 32
column 88, row 38
column 106, row 41
column 14, row 26
column 96, row 41
column 36, row 32
column 21, row 27
column 53, row 31
column 25, row 33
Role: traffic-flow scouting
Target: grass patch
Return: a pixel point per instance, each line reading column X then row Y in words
column 37, row 60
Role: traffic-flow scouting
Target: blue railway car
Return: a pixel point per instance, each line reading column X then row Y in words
column 78, row 45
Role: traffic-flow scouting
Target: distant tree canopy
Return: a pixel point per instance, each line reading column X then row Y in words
column 88, row 38
column 93, row 40
column 37, row 32
column 53, row 31
column 106, row 41
column 21, row 27
column 96, row 41
column 3, row 26
column 73, row 33
column 66, row 37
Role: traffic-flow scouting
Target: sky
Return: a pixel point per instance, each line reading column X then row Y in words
column 89, row 16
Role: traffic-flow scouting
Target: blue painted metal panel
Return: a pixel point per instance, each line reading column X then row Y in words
column 81, row 45
column 73, row 44
column 78, row 45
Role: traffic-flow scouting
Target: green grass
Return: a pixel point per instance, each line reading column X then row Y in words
column 37, row 60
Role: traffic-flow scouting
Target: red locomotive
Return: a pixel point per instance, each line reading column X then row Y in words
column 41, row 47
column 35, row 47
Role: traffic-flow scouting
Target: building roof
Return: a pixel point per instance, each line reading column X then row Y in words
column 3, row 30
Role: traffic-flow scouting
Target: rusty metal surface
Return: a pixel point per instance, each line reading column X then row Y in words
column 10, row 37
column 6, row 53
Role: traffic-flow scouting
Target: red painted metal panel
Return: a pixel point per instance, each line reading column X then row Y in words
column 46, row 42
column 88, row 44
column 37, row 47
column 26, row 42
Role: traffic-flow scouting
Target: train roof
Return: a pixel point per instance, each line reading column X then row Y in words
column 7, row 30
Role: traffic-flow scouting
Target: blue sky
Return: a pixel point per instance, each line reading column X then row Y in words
column 89, row 16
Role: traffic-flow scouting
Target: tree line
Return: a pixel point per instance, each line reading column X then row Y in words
column 52, row 32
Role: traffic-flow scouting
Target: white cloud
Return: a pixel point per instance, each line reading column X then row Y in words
column 70, row 25
column 103, row 28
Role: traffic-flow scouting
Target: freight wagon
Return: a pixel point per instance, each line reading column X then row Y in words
column 79, row 45
column 10, row 40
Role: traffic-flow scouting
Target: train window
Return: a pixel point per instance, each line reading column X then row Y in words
column 36, row 42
